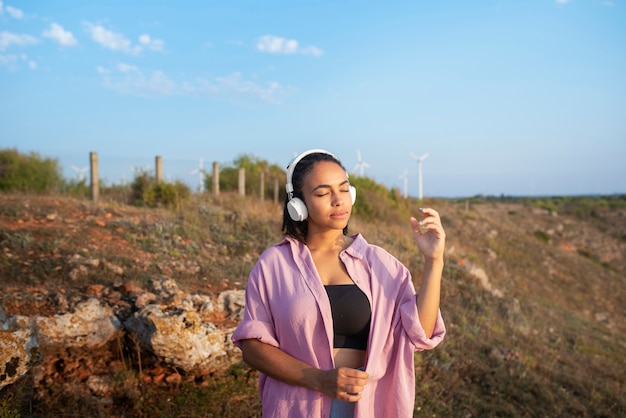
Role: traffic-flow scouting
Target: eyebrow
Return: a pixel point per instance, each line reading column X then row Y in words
column 328, row 186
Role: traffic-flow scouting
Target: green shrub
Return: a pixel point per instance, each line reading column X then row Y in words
column 170, row 195
column 29, row 173
column 375, row 201
column 253, row 166
column 78, row 188
column 145, row 191
column 139, row 187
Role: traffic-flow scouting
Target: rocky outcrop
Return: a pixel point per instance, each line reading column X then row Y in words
column 172, row 326
column 17, row 346
column 179, row 337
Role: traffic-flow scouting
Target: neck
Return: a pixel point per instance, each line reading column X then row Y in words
column 328, row 240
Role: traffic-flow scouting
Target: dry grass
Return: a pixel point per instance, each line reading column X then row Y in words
column 534, row 303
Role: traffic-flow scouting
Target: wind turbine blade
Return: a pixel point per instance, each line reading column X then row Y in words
column 423, row 157
column 358, row 155
column 415, row 157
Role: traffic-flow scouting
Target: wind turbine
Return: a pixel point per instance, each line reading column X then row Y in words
column 405, row 179
column 360, row 165
column 200, row 172
column 419, row 172
column 80, row 172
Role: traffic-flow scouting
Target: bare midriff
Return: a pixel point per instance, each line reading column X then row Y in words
column 349, row 357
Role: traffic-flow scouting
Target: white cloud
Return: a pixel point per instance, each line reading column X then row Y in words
column 15, row 13
column 234, row 86
column 118, row 42
column 312, row 50
column 129, row 79
column 12, row 62
column 127, row 68
column 562, row 1
column 60, row 35
column 277, row 45
column 8, row 39
column 110, row 40
column 150, row 43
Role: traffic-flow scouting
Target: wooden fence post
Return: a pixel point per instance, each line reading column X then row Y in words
column 276, row 191
column 95, row 183
column 262, row 186
column 158, row 169
column 242, row 181
column 216, row 179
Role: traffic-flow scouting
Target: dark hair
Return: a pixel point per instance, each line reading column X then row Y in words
column 298, row 229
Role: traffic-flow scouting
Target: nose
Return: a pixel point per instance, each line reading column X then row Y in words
column 337, row 199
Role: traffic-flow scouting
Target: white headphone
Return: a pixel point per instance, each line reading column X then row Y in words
column 295, row 206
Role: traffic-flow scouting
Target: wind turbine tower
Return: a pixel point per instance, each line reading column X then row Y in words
column 405, row 179
column 200, row 172
column 360, row 165
column 419, row 160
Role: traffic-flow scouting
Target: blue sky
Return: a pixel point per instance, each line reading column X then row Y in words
column 506, row 97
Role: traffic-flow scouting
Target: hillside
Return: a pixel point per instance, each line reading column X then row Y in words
column 534, row 300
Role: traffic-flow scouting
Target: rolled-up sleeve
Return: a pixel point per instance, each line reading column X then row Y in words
column 413, row 327
column 257, row 320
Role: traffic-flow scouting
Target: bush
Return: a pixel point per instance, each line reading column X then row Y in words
column 78, row 188
column 253, row 166
column 376, row 202
column 29, row 173
column 145, row 191
column 170, row 195
column 139, row 187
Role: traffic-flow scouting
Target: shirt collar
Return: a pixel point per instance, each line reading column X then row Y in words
column 357, row 249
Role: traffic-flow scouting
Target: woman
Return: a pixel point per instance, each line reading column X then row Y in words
column 332, row 322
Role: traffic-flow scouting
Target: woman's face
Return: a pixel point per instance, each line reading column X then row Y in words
column 326, row 192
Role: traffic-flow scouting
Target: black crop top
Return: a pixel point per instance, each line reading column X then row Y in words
column 351, row 316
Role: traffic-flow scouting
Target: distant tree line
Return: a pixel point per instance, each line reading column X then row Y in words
column 31, row 173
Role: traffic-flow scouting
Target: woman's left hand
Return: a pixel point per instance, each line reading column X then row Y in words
column 429, row 233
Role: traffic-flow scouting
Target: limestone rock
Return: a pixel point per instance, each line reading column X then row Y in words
column 179, row 337
column 91, row 325
column 232, row 302
column 17, row 347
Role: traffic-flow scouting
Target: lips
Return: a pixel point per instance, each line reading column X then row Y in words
column 340, row 215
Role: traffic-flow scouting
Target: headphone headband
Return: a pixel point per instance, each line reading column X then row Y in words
column 292, row 167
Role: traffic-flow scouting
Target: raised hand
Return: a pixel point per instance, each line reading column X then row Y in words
column 429, row 234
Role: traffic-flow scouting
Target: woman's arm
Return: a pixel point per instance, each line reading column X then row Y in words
column 430, row 238
column 342, row 383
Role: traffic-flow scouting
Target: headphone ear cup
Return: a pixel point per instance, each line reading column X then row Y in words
column 297, row 209
column 353, row 194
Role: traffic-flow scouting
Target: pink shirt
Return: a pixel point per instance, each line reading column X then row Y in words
column 287, row 307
